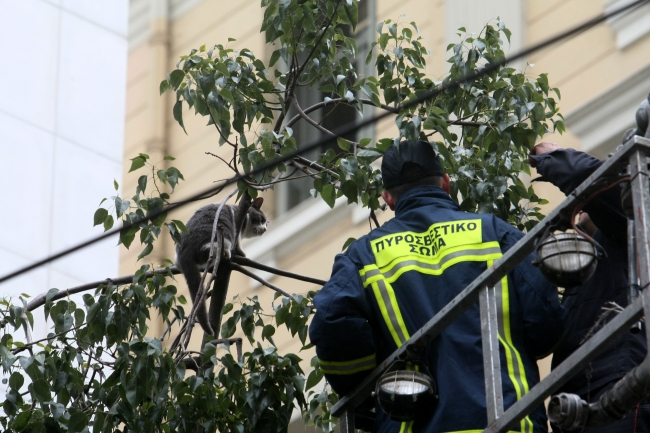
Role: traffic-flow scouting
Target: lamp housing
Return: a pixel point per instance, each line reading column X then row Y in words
column 567, row 259
column 406, row 394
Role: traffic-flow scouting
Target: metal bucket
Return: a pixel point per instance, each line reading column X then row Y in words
column 566, row 259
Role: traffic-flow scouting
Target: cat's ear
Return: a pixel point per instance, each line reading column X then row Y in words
column 257, row 203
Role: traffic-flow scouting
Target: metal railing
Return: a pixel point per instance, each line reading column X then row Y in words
column 633, row 157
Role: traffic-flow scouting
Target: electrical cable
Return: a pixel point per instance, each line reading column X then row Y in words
column 339, row 132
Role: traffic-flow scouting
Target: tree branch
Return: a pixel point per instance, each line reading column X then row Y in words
column 312, row 164
column 245, row 271
column 224, row 161
column 316, row 125
column 245, row 261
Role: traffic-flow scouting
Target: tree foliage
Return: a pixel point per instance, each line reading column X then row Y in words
column 100, row 369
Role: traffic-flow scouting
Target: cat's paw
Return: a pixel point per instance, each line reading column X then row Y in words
column 227, row 254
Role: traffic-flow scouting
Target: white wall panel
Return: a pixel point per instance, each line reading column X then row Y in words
column 29, row 41
column 90, row 112
column 61, row 135
column 111, row 14
column 26, row 187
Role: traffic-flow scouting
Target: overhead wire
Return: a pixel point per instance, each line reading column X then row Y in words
column 339, row 132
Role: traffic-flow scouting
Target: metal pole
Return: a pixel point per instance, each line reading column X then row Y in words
column 572, row 365
column 346, row 421
column 641, row 211
column 632, row 278
column 491, row 356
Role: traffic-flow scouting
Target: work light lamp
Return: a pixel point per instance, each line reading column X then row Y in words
column 406, row 394
column 567, row 259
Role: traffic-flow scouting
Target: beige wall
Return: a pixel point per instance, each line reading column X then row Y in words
column 583, row 67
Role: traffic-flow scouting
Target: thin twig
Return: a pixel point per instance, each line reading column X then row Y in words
column 224, row 161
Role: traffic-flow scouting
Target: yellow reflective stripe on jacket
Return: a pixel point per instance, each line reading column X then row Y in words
column 480, row 430
column 390, row 311
column 438, row 238
column 348, row 367
column 515, row 365
column 407, row 427
column 431, row 266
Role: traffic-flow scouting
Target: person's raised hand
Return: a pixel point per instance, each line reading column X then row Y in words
column 543, row 147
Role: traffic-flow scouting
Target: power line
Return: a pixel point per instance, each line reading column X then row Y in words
column 339, row 132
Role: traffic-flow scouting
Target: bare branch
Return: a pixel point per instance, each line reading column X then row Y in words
column 316, row 125
column 312, row 164
column 39, row 300
column 322, row 104
column 245, row 271
column 224, row 161
column 245, row 261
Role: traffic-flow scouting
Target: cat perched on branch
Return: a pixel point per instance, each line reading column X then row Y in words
column 246, row 220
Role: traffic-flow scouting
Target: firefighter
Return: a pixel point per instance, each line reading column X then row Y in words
column 389, row 283
column 606, row 222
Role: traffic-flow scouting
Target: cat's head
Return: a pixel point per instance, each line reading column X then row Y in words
column 257, row 220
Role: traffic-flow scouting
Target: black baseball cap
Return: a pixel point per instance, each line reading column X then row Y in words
column 393, row 170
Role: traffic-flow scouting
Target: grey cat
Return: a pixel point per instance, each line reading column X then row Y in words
column 193, row 252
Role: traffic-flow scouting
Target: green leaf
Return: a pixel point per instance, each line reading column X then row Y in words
column 127, row 236
column 348, row 243
column 268, row 331
column 343, row 144
column 137, row 163
column 314, row 379
column 169, row 158
column 369, row 155
column 50, row 294
column 225, row 94
column 173, row 175
column 147, row 250
column 108, row 223
column 206, row 84
column 164, row 86
column 178, row 115
column 364, row 142
column 116, row 185
column 78, row 421
column 100, row 216
column 180, row 226
column 42, row 390
column 349, row 188
column 16, row 381
column 384, row 144
column 274, row 58
column 22, row 420
column 329, row 194
column 142, row 183
column 176, row 78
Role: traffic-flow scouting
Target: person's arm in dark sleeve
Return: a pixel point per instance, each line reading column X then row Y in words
column 567, row 169
column 340, row 329
column 543, row 316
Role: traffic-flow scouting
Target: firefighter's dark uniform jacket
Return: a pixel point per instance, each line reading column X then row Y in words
column 391, row 282
column 566, row 169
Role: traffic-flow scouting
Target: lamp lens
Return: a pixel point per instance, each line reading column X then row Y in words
column 403, row 387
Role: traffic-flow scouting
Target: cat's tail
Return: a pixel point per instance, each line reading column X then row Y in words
column 193, row 278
